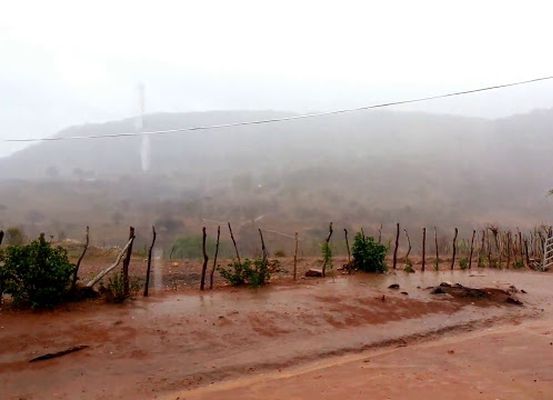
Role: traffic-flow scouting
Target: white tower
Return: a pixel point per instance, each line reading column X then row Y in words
column 145, row 147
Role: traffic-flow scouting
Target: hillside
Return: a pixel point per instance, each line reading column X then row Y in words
column 362, row 168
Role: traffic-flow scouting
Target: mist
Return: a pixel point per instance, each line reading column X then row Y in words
column 71, row 70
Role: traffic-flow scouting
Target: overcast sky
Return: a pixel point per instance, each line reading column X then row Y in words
column 71, row 62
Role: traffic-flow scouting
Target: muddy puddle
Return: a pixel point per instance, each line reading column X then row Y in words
column 169, row 342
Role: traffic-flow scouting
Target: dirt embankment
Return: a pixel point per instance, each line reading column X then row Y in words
column 169, row 343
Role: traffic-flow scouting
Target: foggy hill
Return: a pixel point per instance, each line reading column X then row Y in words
column 386, row 136
column 358, row 167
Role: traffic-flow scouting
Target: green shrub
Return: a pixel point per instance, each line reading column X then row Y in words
column 409, row 266
column 368, row 255
column 37, row 274
column 518, row 264
column 253, row 273
column 464, row 263
column 115, row 289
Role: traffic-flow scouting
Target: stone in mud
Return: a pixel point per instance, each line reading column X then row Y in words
column 314, row 272
column 512, row 300
column 394, row 286
column 438, row 290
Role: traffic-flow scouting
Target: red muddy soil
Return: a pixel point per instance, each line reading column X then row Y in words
column 162, row 346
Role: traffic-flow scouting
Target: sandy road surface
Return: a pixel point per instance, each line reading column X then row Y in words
column 505, row 362
column 166, row 346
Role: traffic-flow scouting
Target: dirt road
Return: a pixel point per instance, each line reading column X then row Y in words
column 164, row 346
column 506, row 362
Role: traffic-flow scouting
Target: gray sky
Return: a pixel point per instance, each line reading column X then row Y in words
column 71, row 62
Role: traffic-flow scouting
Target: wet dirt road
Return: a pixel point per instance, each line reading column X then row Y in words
column 506, row 362
column 161, row 346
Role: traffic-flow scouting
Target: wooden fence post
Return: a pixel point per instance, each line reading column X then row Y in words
column 296, row 255
column 1, row 237
column 78, row 265
column 126, row 263
column 454, row 248
column 263, row 248
column 327, row 243
column 472, row 247
column 234, row 244
column 215, row 257
column 206, row 258
column 380, row 234
column 437, row 261
column 394, row 260
column 423, row 249
column 149, row 267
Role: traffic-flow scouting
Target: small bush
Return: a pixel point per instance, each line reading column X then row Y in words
column 409, row 266
column 464, row 263
column 253, row 273
column 37, row 274
column 368, row 255
column 115, row 290
column 518, row 264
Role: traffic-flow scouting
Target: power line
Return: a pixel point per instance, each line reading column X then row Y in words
column 282, row 119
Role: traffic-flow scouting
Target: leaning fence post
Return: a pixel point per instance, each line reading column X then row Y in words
column 263, row 248
column 78, row 265
column 234, row 244
column 126, row 263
